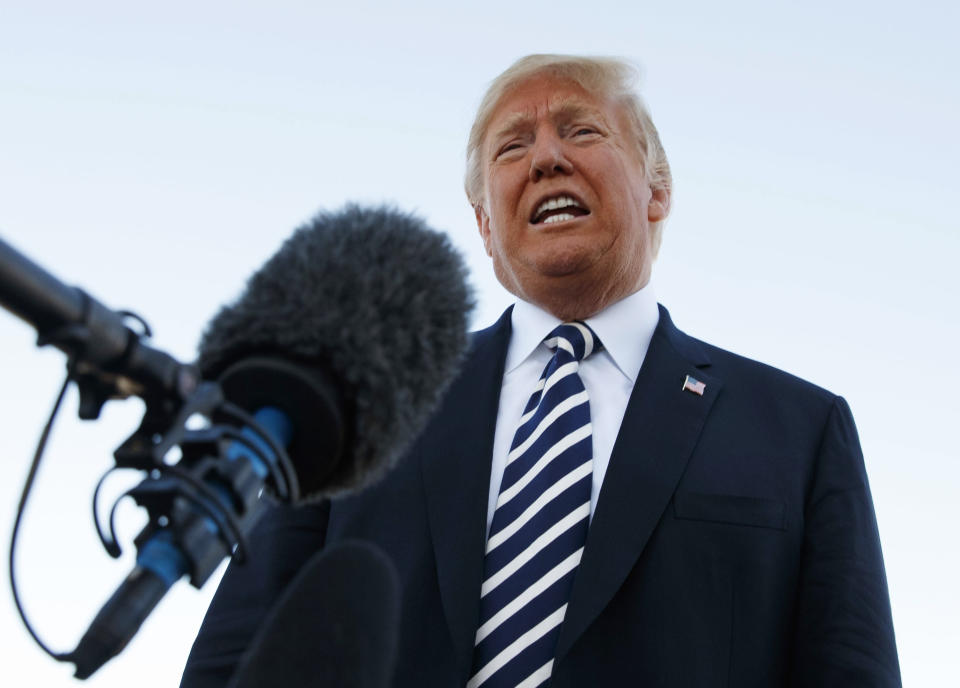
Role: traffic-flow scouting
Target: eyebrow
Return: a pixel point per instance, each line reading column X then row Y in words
column 570, row 108
column 561, row 110
column 516, row 122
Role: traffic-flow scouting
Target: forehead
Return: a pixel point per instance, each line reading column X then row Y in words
column 542, row 98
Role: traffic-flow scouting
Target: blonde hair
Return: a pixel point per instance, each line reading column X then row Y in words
column 609, row 77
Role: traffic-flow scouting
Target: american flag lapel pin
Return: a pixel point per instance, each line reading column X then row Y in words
column 692, row 384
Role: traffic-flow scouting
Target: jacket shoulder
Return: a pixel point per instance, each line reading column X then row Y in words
column 733, row 366
column 757, row 383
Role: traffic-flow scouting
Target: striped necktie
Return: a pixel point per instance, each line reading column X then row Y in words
column 540, row 523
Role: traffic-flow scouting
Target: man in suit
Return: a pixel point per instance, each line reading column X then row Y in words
column 718, row 528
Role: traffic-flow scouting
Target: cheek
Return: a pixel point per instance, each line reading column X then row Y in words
column 633, row 201
column 503, row 221
column 505, row 183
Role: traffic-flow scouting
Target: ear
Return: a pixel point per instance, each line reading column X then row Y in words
column 659, row 206
column 483, row 224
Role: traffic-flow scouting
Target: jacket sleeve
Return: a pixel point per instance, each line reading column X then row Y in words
column 844, row 632
column 278, row 546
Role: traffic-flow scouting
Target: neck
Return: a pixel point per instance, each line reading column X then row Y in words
column 580, row 301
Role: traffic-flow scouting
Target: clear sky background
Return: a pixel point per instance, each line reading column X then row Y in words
column 157, row 155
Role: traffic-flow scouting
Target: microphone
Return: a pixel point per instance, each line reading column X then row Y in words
column 371, row 298
column 335, row 626
column 338, row 348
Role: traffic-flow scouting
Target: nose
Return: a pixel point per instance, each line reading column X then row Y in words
column 548, row 157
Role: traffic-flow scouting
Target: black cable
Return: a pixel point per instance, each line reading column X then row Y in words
column 28, row 484
column 109, row 542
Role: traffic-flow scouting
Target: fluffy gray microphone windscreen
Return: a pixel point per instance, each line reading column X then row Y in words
column 376, row 299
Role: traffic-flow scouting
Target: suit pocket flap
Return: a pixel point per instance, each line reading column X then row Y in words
column 720, row 508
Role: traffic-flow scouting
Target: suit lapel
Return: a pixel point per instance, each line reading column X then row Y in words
column 456, row 475
column 660, row 428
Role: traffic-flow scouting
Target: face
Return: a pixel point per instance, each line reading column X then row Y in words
column 567, row 207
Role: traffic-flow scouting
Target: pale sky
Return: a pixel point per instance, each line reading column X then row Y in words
column 157, row 155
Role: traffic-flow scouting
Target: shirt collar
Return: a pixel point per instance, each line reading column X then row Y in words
column 625, row 328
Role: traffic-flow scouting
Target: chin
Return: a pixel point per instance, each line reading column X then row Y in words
column 566, row 260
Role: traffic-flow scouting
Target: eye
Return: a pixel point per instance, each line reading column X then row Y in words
column 584, row 131
column 512, row 146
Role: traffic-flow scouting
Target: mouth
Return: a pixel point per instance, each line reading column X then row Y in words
column 560, row 207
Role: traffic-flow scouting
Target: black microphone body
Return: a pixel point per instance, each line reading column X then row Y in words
column 118, row 620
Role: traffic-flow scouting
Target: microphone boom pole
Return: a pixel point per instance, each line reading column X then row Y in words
column 94, row 336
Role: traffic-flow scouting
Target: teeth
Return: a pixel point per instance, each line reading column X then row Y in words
column 562, row 217
column 555, row 203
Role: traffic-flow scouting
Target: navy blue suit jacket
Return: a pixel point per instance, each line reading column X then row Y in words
column 734, row 541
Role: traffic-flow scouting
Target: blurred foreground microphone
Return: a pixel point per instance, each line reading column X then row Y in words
column 335, row 626
column 339, row 348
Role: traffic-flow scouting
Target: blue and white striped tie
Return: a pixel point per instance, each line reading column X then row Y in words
column 540, row 523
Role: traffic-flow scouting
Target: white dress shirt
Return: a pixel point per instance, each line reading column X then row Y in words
column 625, row 328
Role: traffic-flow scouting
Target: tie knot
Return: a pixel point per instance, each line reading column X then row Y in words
column 576, row 338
